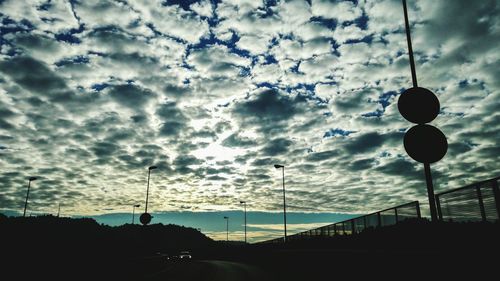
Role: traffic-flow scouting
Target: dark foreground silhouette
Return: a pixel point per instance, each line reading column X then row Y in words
column 63, row 248
column 51, row 248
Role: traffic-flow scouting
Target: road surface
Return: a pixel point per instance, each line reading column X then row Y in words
column 209, row 270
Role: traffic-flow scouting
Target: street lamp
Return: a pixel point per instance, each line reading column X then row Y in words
column 284, row 200
column 227, row 228
column 133, row 211
column 245, row 205
column 146, row 218
column 28, row 194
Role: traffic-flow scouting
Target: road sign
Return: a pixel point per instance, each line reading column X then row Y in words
column 425, row 143
column 145, row 218
column 418, row 105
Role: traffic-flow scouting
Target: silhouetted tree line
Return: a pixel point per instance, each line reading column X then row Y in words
column 58, row 246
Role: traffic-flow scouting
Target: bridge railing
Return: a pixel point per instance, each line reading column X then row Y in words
column 476, row 202
column 356, row 225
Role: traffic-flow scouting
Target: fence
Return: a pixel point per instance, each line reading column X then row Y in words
column 476, row 202
column 385, row 217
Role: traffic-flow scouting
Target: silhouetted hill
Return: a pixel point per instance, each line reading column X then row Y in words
column 80, row 231
column 57, row 245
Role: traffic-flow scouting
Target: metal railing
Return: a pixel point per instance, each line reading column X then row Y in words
column 479, row 201
column 385, row 217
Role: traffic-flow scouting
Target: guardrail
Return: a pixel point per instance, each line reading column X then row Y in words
column 385, row 217
column 479, row 201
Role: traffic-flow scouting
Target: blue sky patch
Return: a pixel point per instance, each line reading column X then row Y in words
column 337, row 132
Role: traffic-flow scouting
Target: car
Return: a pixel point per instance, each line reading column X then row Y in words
column 164, row 256
column 185, row 255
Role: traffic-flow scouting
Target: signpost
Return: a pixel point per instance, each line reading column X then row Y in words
column 145, row 218
column 423, row 143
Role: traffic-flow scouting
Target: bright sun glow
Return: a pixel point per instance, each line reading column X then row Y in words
column 218, row 152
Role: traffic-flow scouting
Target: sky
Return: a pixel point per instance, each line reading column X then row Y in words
column 215, row 93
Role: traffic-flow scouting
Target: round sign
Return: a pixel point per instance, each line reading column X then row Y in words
column 425, row 143
column 145, row 218
column 418, row 105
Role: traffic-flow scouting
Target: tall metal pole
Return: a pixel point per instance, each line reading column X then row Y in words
column 245, row 205
column 59, row 210
column 227, row 228
column 27, row 195
column 147, row 191
column 430, row 192
column 133, row 214
column 284, row 201
column 427, row 167
column 410, row 49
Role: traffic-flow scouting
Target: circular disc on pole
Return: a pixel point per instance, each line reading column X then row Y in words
column 145, row 218
column 418, row 105
column 425, row 143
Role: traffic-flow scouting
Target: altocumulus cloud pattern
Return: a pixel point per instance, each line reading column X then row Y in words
column 216, row 92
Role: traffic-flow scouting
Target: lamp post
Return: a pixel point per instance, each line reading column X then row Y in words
column 133, row 211
column 284, row 198
column 245, row 206
column 146, row 218
column 227, row 228
column 28, row 194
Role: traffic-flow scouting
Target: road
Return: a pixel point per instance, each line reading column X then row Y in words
column 209, row 270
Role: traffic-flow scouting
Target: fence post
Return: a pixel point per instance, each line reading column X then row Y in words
column 496, row 193
column 438, row 205
column 396, row 214
column 379, row 220
column 417, row 206
column 353, row 227
column 481, row 204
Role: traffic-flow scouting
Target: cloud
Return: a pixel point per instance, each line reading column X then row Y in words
column 234, row 140
column 267, row 105
column 277, row 146
column 104, row 149
column 203, row 8
column 254, row 44
column 130, row 95
column 364, row 143
column 172, row 20
column 215, row 94
column 338, row 10
column 296, row 50
column 33, row 75
column 174, row 121
column 217, row 60
column 324, row 155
